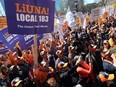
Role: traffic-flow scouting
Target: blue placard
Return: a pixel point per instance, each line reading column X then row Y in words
column 3, row 48
column 30, row 16
column 27, row 40
column 9, row 40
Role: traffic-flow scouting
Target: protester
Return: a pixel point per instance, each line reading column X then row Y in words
column 84, row 70
column 4, row 79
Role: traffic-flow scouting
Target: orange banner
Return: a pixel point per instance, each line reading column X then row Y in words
column 3, row 23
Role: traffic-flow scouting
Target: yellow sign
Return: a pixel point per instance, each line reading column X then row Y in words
column 87, row 19
column 100, row 21
column 3, row 23
column 113, row 5
column 105, row 15
column 78, row 21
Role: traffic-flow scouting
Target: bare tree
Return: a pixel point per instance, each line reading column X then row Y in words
column 104, row 2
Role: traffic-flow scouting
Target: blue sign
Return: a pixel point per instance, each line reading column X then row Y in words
column 40, row 36
column 27, row 40
column 30, row 16
column 9, row 40
column 3, row 48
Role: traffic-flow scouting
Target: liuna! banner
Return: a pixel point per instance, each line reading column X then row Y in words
column 30, row 16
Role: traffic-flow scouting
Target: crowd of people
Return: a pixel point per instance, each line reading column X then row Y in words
column 83, row 58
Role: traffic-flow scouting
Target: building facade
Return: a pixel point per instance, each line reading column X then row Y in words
column 73, row 4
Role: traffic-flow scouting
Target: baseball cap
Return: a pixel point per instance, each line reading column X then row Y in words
column 18, row 59
column 42, row 53
column 103, row 76
column 16, row 81
column 71, row 48
column 78, row 85
column 58, row 52
column 105, row 41
column 62, row 65
column 93, row 46
column 43, row 63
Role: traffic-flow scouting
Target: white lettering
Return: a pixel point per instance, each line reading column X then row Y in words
column 43, row 18
column 28, row 37
column 22, row 17
column 9, row 38
column 26, row 18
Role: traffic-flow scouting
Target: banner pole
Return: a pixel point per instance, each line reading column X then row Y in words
column 35, row 56
column 35, row 52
